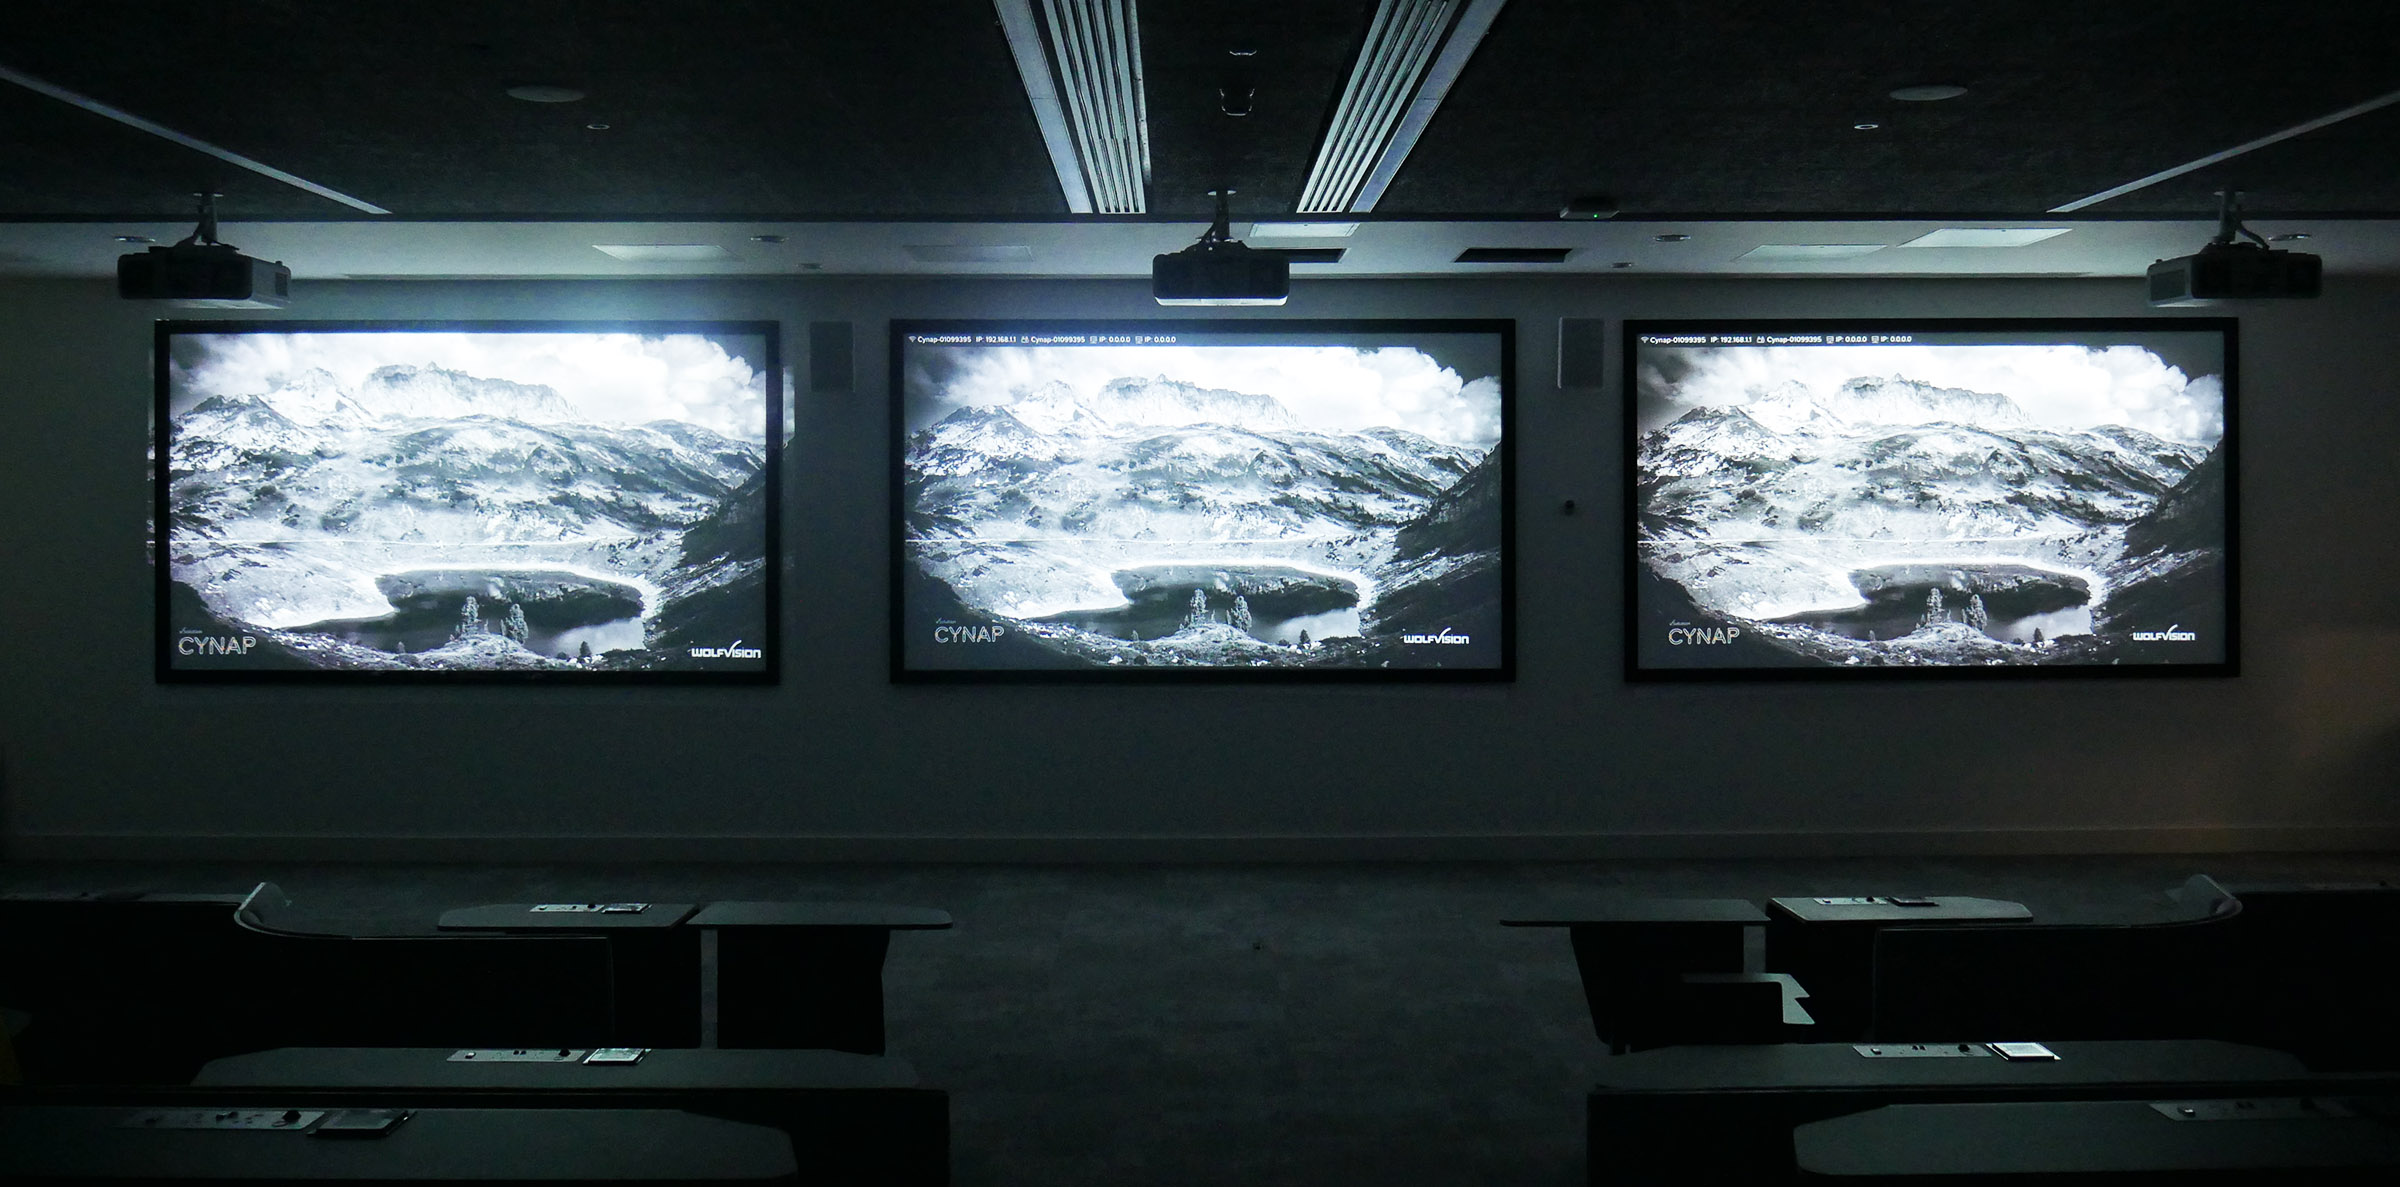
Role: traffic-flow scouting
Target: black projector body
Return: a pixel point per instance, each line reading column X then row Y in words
column 205, row 275
column 1220, row 274
column 2235, row 271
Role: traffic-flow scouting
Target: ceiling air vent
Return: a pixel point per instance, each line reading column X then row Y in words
column 1305, row 255
column 1081, row 63
column 1514, row 255
column 1414, row 50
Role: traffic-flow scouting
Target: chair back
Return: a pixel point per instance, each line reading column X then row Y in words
column 123, row 988
column 2317, row 960
column 330, row 989
column 2160, row 980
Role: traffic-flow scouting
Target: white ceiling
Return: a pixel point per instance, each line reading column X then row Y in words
column 395, row 249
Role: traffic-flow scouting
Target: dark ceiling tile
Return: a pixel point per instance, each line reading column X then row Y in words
column 903, row 107
column 63, row 161
column 1303, row 50
column 1748, row 106
column 913, row 108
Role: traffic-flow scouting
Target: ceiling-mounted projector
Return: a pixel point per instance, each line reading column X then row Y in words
column 200, row 272
column 2230, row 270
column 1220, row 270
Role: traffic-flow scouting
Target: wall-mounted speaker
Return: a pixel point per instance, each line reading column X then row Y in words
column 829, row 361
column 1582, row 357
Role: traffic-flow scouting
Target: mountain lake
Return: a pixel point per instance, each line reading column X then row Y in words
column 1284, row 602
column 563, row 611
column 2019, row 600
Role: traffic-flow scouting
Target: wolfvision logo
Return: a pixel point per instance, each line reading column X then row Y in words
column 946, row 631
column 1684, row 634
column 733, row 650
column 195, row 643
column 2173, row 634
column 1445, row 638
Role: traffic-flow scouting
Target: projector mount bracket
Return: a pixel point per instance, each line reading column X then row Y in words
column 1219, row 235
column 206, row 233
column 2229, row 221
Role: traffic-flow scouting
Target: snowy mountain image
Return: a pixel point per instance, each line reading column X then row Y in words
column 404, row 501
column 1207, row 507
column 1929, row 505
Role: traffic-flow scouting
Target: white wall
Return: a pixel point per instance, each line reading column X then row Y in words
column 97, row 760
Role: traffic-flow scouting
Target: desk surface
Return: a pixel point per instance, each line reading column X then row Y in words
column 1789, row 1067
column 1881, row 909
column 1602, row 912
column 2080, row 1137
column 526, row 917
column 433, row 1145
column 662, row 1069
column 760, row 914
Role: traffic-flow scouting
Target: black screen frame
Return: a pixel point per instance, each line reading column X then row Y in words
column 898, row 330
column 771, row 366
column 2228, row 330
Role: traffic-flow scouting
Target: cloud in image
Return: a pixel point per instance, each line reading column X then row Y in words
column 607, row 378
column 2059, row 386
column 1329, row 389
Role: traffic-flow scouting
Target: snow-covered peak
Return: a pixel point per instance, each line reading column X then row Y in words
column 404, row 390
column 309, row 397
column 1789, row 407
column 1870, row 402
column 1133, row 402
column 1897, row 401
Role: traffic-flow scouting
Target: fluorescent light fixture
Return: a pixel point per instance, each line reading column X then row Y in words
column 1224, row 301
column 1810, row 251
column 1985, row 236
column 541, row 93
column 665, row 253
column 1302, row 230
column 163, row 132
column 968, row 253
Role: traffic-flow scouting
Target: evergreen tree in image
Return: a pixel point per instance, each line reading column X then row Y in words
column 1199, row 614
column 470, row 619
column 2037, row 636
column 1241, row 613
column 1977, row 616
column 515, row 627
column 1933, row 607
column 1304, row 638
column 584, row 653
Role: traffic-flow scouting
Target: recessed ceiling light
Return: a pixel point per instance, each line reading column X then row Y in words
column 968, row 253
column 766, row 239
column 1622, row 264
column 1864, row 127
column 664, row 253
column 147, row 239
column 544, row 93
column 1986, row 236
column 1928, row 92
column 1671, row 237
column 1302, row 230
column 1810, row 251
column 597, row 127
column 2286, row 237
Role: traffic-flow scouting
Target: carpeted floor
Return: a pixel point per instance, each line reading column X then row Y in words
column 1251, row 1025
